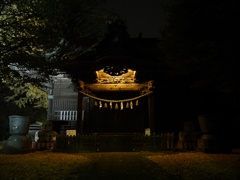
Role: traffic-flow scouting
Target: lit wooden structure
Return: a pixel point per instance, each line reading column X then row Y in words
column 124, row 81
column 115, row 84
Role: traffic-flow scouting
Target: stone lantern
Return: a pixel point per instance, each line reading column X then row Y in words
column 18, row 142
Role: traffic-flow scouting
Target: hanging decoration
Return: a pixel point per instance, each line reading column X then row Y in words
column 105, row 105
column 116, row 106
column 137, row 102
column 121, row 105
column 127, row 105
column 100, row 104
column 131, row 105
column 128, row 102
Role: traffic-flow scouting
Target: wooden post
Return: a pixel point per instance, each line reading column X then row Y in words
column 79, row 115
column 50, row 105
column 151, row 113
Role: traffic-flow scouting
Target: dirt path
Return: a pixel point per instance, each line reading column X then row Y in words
column 123, row 166
column 47, row 165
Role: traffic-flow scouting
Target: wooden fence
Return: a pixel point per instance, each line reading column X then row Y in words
column 76, row 143
column 95, row 142
column 161, row 142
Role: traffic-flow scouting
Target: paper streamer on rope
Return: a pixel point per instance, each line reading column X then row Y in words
column 116, row 101
column 129, row 102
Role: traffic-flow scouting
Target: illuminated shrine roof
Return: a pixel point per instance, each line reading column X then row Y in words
column 117, row 55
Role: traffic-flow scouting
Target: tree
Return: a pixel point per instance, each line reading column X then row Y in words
column 38, row 37
column 199, row 43
column 199, row 48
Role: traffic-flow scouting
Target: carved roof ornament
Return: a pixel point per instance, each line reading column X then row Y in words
column 115, row 75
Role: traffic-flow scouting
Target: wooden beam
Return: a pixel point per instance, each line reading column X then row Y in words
column 116, row 87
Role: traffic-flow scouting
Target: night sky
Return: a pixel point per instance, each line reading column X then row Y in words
column 141, row 16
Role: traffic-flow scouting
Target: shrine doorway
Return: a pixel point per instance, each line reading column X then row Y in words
column 107, row 120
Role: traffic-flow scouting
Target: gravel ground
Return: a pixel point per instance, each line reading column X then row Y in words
column 120, row 165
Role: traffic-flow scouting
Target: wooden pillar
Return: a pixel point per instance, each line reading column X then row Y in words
column 151, row 113
column 50, row 111
column 79, row 117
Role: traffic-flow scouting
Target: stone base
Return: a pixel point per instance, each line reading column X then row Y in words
column 17, row 145
column 214, row 144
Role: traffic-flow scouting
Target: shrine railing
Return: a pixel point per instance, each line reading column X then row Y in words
column 135, row 142
column 65, row 115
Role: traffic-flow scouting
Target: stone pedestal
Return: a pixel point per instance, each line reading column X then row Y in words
column 214, row 138
column 47, row 137
column 207, row 143
column 18, row 142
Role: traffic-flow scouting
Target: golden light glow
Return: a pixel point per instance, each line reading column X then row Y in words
column 123, row 82
column 126, row 77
